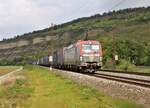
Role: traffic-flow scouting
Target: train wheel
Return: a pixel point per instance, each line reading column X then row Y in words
column 93, row 71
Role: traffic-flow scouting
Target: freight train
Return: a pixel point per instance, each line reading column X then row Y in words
column 82, row 56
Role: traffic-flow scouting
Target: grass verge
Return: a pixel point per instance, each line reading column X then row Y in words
column 127, row 66
column 43, row 89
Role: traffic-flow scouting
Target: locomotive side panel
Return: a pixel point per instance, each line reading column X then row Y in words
column 70, row 55
column 77, row 56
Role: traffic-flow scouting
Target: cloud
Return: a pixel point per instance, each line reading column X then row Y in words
column 21, row 16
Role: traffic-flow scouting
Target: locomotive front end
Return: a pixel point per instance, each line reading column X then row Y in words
column 90, row 56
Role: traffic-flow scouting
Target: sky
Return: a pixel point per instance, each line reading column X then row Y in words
column 22, row 16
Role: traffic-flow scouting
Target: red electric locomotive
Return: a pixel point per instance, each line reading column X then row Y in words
column 85, row 55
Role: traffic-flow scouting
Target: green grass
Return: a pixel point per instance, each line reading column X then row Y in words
column 131, row 68
column 43, row 89
column 14, row 95
column 127, row 66
column 143, row 69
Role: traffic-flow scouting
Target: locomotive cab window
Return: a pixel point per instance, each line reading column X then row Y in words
column 88, row 48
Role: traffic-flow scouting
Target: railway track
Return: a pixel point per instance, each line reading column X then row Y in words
column 124, row 79
column 138, row 79
column 126, row 72
column 134, row 79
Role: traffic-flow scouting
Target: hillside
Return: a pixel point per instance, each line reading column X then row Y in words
column 130, row 28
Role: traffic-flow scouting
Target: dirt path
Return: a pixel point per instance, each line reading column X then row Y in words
column 6, row 69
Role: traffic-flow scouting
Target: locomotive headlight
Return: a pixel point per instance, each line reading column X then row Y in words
column 81, row 58
column 100, row 58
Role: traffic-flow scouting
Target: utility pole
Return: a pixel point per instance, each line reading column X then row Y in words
column 51, row 48
column 114, row 55
column 87, row 34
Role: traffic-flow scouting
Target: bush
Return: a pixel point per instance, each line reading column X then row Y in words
column 108, row 63
column 126, row 65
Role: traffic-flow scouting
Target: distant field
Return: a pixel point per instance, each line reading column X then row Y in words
column 7, row 69
column 43, row 89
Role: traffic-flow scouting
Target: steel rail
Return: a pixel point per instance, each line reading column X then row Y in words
column 123, row 79
column 127, row 72
column 134, row 81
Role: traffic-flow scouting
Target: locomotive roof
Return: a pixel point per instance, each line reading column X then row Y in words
column 87, row 42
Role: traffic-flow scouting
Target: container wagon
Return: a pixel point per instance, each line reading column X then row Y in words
column 44, row 61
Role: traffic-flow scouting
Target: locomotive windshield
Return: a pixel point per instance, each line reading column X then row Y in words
column 88, row 48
